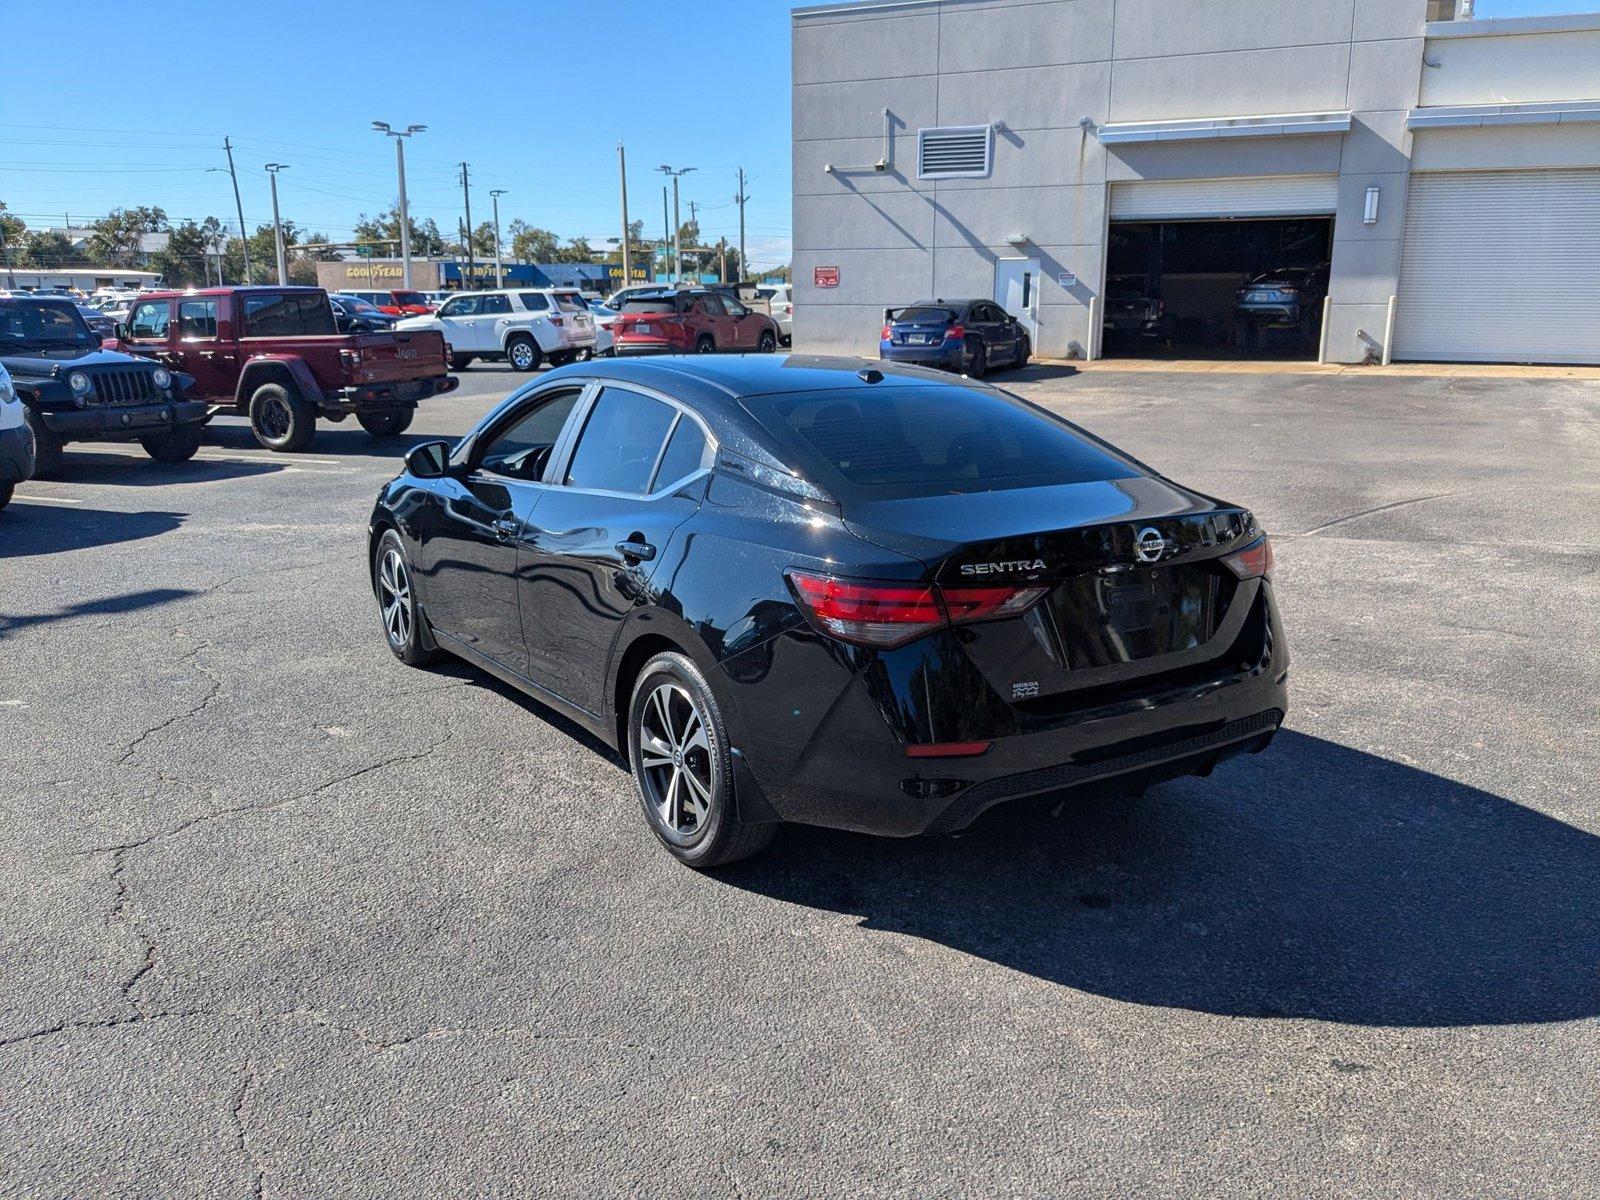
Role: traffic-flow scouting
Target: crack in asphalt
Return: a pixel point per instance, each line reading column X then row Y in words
column 241, row 1133
column 212, row 692
column 137, row 1018
column 1367, row 512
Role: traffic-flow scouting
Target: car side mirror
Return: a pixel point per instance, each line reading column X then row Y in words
column 431, row 460
column 120, row 330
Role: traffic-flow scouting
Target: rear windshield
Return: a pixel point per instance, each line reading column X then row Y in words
column 925, row 314
column 407, row 298
column 665, row 305
column 885, row 442
column 570, row 302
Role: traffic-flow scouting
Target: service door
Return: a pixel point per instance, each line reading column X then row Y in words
column 1501, row 266
column 1016, row 289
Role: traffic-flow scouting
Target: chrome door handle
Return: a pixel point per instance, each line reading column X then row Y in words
column 636, row 551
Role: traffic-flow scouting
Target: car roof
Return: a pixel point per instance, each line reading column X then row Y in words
column 735, row 376
column 231, row 289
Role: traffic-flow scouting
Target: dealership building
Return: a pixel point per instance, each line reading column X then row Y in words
column 1353, row 180
column 430, row 275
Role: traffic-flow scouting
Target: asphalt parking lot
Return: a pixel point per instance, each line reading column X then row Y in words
column 280, row 916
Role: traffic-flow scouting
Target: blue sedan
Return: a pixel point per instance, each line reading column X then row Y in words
column 969, row 336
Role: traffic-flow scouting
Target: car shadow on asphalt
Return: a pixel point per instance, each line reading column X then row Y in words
column 350, row 442
column 30, row 530
column 121, row 470
column 1312, row 881
column 11, row 623
column 1035, row 372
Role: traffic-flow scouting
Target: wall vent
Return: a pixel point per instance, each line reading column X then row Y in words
column 955, row 152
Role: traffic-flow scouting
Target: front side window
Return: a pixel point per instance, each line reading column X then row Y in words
column 461, row 306
column 620, row 442
column 148, row 320
column 522, row 449
column 735, row 309
column 197, row 319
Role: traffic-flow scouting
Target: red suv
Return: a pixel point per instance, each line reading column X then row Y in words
column 691, row 321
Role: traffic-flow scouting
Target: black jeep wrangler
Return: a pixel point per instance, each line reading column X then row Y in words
column 73, row 391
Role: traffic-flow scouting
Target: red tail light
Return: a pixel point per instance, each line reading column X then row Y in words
column 955, row 334
column 886, row 334
column 1253, row 562
column 886, row 615
column 555, row 321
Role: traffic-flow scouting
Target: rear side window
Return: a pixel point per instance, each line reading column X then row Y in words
column 620, row 443
column 288, row 314
column 534, row 301
column 197, row 319
column 685, row 454
column 879, row 441
column 494, row 304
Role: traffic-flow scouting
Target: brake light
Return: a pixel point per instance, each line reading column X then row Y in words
column 886, row 615
column 955, row 334
column 1253, row 562
column 886, row 334
column 555, row 320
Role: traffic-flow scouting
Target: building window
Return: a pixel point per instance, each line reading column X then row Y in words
column 955, row 152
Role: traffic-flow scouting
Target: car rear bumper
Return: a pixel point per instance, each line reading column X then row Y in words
column 624, row 349
column 945, row 357
column 401, row 394
column 110, row 422
column 849, row 767
column 16, row 454
column 1287, row 314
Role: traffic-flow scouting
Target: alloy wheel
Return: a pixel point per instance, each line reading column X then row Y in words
column 675, row 761
column 275, row 418
column 521, row 355
column 394, row 586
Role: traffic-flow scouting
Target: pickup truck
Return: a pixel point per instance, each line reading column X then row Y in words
column 274, row 354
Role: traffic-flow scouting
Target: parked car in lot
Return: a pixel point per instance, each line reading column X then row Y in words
column 16, row 440
column 351, row 314
column 1134, row 310
column 75, row 390
column 522, row 326
column 1287, row 296
column 970, row 336
column 691, row 321
column 780, row 301
column 619, row 298
column 604, row 318
column 401, row 303
column 832, row 592
column 275, row 355
column 103, row 325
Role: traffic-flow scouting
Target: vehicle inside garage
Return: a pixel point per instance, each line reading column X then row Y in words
column 1216, row 288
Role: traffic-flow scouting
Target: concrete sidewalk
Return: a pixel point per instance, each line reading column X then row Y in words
column 1184, row 366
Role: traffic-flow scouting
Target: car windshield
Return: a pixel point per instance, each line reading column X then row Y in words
column 355, row 305
column 886, row 442
column 924, row 313
column 43, row 323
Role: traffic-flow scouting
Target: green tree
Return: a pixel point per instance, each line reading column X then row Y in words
column 46, row 248
column 115, row 238
column 11, row 228
column 532, row 245
column 426, row 240
column 183, row 261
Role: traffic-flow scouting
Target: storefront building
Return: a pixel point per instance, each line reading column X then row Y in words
column 387, row 274
column 1343, row 179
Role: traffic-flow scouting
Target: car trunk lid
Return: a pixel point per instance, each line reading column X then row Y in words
column 392, row 356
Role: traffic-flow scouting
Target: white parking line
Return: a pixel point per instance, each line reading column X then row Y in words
column 37, row 499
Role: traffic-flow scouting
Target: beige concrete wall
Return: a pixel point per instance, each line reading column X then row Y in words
column 1529, row 68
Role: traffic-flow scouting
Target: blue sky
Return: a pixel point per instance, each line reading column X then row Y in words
column 519, row 90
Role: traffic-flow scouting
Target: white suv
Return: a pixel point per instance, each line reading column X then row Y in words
column 522, row 326
column 781, row 301
column 16, row 440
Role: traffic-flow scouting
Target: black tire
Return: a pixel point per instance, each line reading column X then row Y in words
column 173, row 445
column 768, row 342
column 1024, row 350
column 460, row 362
column 698, row 822
column 404, row 628
column 706, row 345
column 787, row 339
column 522, row 352
column 280, row 419
column 48, row 448
column 561, row 358
column 6, row 492
column 980, row 362
column 583, row 354
column 386, row 423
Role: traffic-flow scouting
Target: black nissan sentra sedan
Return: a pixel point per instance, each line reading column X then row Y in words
column 826, row 591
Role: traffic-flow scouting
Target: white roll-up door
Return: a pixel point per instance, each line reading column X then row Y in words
column 1203, row 199
column 1501, row 266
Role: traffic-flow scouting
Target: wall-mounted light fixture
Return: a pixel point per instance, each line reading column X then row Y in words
column 1370, row 216
column 1017, row 239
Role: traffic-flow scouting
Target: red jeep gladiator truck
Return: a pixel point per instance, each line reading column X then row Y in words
column 274, row 355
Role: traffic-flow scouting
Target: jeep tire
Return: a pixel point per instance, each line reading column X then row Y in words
column 280, row 419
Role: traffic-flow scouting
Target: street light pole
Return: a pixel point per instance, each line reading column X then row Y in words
column 400, row 136
column 277, row 224
column 499, row 275
column 627, row 255
column 677, row 225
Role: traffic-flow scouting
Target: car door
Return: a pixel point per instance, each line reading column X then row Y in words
column 467, row 535
column 744, row 324
column 150, row 332
column 593, row 542
column 454, row 322
column 1001, row 334
column 213, row 364
column 709, row 312
column 489, row 325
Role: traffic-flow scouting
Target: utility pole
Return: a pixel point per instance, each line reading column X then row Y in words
column 466, row 197
column 400, row 136
column 677, row 225
column 277, row 225
column 666, row 230
column 744, row 263
column 244, row 234
column 627, row 250
column 722, row 260
column 494, row 198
